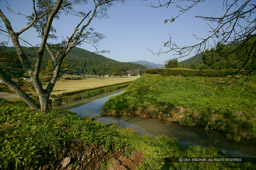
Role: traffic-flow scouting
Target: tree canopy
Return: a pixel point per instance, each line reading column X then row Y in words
column 173, row 63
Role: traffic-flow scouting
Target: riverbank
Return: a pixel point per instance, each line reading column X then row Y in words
column 192, row 101
column 51, row 141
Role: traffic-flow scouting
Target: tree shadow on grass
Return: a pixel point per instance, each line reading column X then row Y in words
column 168, row 162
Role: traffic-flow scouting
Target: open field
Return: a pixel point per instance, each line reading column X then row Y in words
column 75, row 85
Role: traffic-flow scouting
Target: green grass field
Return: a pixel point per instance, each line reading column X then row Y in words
column 63, row 86
column 193, row 101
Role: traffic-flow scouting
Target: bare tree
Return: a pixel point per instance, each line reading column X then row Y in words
column 44, row 13
column 236, row 26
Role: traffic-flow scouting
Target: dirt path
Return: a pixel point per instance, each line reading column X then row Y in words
column 123, row 163
column 8, row 96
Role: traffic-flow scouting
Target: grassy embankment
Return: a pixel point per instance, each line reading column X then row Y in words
column 34, row 139
column 193, row 101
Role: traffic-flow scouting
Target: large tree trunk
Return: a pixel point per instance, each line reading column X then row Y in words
column 42, row 94
column 44, row 103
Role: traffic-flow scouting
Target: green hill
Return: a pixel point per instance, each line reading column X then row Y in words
column 81, row 61
column 189, row 61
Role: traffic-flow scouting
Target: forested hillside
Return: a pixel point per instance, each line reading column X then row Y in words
column 81, row 61
column 86, row 62
column 193, row 59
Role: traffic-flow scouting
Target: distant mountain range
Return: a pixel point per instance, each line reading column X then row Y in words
column 148, row 64
column 189, row 61
column 85, row 62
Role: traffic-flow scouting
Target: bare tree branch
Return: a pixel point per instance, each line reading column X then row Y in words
column 82, row 29
column 69, row 46
column 32, row 22
column 76, row 29
column 237, row 24
column 22, row 56
column 51, row 54
column 19, row 38
column 49, row 24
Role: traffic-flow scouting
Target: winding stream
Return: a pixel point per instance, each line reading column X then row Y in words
column 154, row 127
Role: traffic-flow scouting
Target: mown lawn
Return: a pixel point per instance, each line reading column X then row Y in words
column 211, row 102
column 63, row 86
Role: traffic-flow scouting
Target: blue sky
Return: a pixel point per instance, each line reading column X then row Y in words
column 132, row 29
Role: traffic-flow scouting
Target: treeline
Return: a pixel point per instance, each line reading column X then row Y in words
column 10, row 63
column 233, row 56
column 79, row 61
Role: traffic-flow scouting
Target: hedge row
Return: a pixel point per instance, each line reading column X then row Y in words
column 197, row 73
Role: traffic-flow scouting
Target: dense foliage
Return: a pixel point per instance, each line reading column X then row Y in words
column 31, row 139
column 229, row 57
column 34, row 139
column 203, row 101
column 173, row 63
